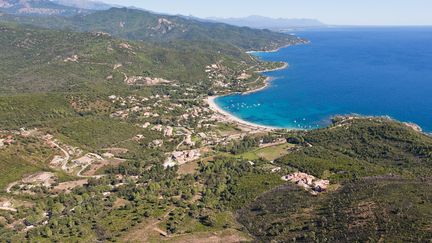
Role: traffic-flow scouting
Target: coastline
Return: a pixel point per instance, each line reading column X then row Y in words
column 303, row 41
column 228, row 117
column 284, row 66
column 267, row 81
column 271, row 51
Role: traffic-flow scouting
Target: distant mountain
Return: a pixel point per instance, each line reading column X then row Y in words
column 261, row 22
column 84, row 4
column 38, row 8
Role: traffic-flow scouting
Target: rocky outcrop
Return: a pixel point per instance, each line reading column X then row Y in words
column 73, row 58
column 164, row 26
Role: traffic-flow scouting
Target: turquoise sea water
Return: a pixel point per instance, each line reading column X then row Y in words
column 366, row 71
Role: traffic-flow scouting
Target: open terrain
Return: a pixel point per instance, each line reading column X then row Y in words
column 106, row 135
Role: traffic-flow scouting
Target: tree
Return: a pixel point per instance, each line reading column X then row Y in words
column 208, row 220
column 47, row 232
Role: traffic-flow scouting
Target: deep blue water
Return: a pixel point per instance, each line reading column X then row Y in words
column 380, row 72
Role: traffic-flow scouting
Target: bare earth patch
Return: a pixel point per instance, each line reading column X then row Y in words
column 224, row 236
column 142, row 231
column 188, row 168
column 120, row 202
column 116, row 151
column 66, row 187
column 96, row 166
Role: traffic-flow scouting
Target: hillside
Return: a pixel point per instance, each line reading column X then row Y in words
column 36, row 60
column 380, row 171
column 357, row 147
column 387, row 209
column 150, row 27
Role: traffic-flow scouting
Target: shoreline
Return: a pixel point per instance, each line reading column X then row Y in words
column 303, row 42
column 267, row 81
column 284, row 66
column 228, row 117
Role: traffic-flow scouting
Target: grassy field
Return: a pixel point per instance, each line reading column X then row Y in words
column 269, row 153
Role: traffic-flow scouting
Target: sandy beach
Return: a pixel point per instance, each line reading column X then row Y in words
column 227, row 117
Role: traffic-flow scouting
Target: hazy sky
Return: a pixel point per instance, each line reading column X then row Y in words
column 342, row 12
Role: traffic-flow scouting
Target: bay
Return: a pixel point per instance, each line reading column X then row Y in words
column 365, row 71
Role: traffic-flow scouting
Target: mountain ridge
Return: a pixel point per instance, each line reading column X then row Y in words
column 84, row 4
column 38, row 8
column 142, row 25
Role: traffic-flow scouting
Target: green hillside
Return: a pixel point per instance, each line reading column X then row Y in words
column 364, row 147
column 388, row 209
column 146, row 26
column 38, row 60
column 382, row 172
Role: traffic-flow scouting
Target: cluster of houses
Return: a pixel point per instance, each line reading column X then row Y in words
column 218, row 73
column 145, row 81
column 308, row 182
column 182, row 157
column 132, row 104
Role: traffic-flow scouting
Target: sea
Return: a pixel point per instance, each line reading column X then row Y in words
column 378, row 71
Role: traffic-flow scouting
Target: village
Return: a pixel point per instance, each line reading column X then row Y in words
column 182, row 125
column 197, row 139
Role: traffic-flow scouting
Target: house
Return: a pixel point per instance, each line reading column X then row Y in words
column 157, row 143
column 183, row 157
column 168, row 132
